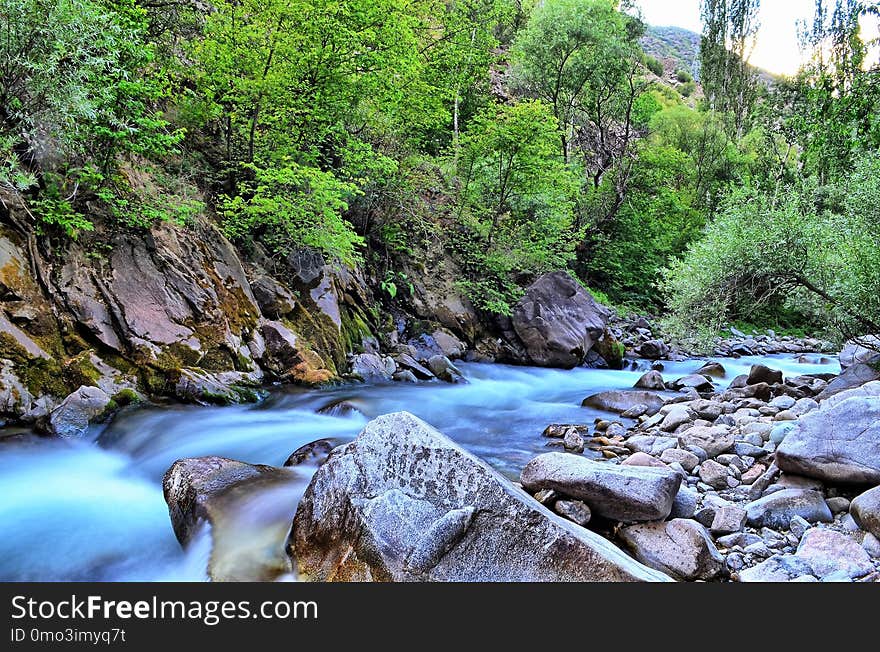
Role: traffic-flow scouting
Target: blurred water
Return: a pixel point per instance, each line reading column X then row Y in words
column 95, row 511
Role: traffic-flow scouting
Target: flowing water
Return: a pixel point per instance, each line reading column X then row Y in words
column 94, row 510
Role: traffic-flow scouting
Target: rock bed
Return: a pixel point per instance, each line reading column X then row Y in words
column 770, row 476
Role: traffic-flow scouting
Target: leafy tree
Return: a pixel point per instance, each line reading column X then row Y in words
column 578, row 56
column 515, row 204
column 76, row 92
column 654, row 65
column 730, row 83
column 830, row 110
column 803, row 249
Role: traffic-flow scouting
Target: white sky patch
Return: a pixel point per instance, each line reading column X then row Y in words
column 777, row 49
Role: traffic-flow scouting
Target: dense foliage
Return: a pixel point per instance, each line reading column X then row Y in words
column 517, row 136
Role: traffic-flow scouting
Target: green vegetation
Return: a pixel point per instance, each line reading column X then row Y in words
column 516, row 201
column 799, row 243
column 513, row 137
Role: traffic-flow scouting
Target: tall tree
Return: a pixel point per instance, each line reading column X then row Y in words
column 576, row 55
column 729, row 82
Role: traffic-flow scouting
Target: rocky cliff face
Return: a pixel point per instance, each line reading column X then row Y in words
column 177, row 311
column 173, row 311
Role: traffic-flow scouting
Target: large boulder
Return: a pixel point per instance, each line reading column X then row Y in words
column 653, row 350
column 622, row 493
column 71, row 419
column 852, row 377
column 274, row 300
column 372, row 366
column 288, row 357
column 249, row 508
column 860, row 350
column 762, row 374
column 651, row 380
column 779, row 568
column 827, row 551
column 558, row 321
column 681, row 548
column 404, row 503
column 617, row 400
column 839, row 444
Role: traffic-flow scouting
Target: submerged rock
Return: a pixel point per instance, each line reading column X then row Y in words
column 313, row 454
column 404, row 503
column 191, row 484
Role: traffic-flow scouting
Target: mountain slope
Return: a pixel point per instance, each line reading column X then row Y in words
column 680, row 45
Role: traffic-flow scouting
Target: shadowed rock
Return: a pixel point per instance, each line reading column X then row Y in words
column 558, row 321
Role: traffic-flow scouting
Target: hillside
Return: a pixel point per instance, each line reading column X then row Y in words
column 679, row 45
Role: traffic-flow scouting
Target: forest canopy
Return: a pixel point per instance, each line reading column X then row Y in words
column 520, row 137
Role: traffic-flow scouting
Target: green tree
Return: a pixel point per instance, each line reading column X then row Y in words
column 730, row 28
column 810, row 249
column 579, row 57
column 77, row 90
column 515, row 203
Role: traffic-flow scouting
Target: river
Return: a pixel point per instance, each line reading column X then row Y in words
column 94, row 510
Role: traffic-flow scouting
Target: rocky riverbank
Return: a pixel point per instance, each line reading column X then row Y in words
column 760, row 477
column 770, row 474
column 178, row 313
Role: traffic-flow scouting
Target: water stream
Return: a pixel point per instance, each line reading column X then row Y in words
column 94, row 510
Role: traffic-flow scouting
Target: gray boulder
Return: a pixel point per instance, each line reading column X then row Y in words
column 780, row 568
column 404, row 503
column 854, row 376
column 274, row 300
column 715, row 440
column 442, row 367
column 371, row 366
column 622, row 493
column 865, row 509
column 840, row 444
column 651, row 380
column 681, row 548
column 827, row 551
column 697, row 381
column 620, row 401
column 312, row 454
column 762, row 374
column 777, row 509
column 860, row 350
column 72, row 417
column 653, row 350
column 558, row 321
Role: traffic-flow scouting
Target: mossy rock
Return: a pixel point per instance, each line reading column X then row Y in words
column 79, row 371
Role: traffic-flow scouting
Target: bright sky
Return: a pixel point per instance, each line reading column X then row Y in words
column 777, row 48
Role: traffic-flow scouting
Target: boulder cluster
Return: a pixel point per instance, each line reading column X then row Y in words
column 767, row 479
column 758, row 478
